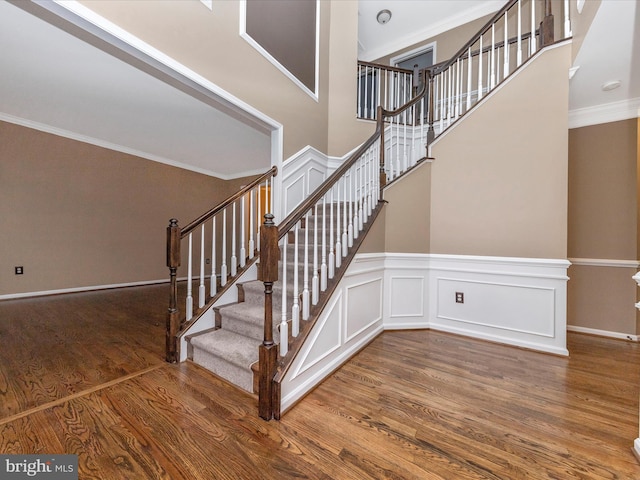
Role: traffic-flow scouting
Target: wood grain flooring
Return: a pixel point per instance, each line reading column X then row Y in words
column 411, row 405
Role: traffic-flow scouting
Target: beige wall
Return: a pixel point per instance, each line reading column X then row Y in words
column 603, row 225
column 345, row 131
column 208, row 42
column 499, row 179
column 603, row 191
column 77, row 215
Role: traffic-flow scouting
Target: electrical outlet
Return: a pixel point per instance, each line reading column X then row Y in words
column 459, row 297
column 208, row 261
column 19, row 270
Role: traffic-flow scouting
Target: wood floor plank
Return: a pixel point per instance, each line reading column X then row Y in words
column 89, row 378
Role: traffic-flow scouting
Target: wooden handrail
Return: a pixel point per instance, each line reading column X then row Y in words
column 485, row 28
column 385, row 67
column 225, row 203
column 174, row 235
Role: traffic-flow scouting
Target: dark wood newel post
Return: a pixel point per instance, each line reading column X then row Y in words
column 173, row 262
column 546, row 26
column 430, row 107
column 383, row 175
column 268, row 352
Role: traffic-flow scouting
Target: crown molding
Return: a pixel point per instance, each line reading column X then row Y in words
column 606, row 113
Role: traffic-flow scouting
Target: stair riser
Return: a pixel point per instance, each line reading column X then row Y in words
column 242, row 377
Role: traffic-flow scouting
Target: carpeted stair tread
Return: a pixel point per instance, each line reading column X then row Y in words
column 235, row 348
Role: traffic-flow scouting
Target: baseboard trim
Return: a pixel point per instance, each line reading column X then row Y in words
column 60, row 291
column 603, row 333
column 636, row 449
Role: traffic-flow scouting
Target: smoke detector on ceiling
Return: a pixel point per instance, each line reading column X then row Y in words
column 383, row 16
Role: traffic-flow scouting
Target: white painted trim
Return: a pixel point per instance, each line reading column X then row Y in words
column 243, row 33
column 92, row 288
column 484, row 8
column 636, row 447
column 603, row 333
column 95, row 24
column 607, row 113
column 605, row 262
column 120, row 148
column 207, row 3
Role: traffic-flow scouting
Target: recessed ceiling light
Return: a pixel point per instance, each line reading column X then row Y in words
column 383, row 16
column 612, row 85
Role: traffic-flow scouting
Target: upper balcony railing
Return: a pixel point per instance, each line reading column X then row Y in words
column 512, row 36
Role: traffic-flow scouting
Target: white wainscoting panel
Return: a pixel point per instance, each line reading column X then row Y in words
column 406, row 291
column 302, row 173
column 364, row 306
column 352, row 319
column 407, row 296
column 516, row 301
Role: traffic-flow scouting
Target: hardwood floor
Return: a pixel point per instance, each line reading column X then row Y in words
column 412, row 405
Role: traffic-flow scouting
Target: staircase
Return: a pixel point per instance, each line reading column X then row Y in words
column 231, row 350
column 230, row 331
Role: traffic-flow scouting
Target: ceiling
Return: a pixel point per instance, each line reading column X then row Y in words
column 53, row 81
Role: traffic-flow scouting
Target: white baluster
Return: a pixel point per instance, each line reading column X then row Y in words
column 469, row 75
column 315, row 283
column 367, row 112
column 213, row 287
column 295, row 309
column 332, row 255
column 449, row 96
column 338, row 230
column 323, row 264
column 345, row 233
column 480, row 71
column 234, row 259
column 252, row 245
column 271, row 194
column 350, row 226
column 243, row 250
column 284, row 327
column 189, row 300
column 361, row 193
column 305, row 285
column 458, row 87
column 532, row 41
column 223, row 267
column 506, row 72
column 567, row 20
column 493, row 56
column 202, row 291
column 359, row 107
column 519, row 52
column 441, row 83
column 260, row 218
column 373, row 99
